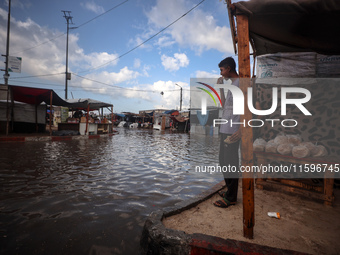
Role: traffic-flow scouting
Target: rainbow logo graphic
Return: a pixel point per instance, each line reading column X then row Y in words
column 204, row 105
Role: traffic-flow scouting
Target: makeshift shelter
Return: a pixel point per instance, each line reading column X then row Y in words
column 34, row 97
column 272, row 26
column 11, row 95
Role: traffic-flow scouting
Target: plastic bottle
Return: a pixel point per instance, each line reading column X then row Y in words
column 274, row 215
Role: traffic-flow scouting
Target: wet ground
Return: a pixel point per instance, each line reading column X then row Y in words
column 93, row 196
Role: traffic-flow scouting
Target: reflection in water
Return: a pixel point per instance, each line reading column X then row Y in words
column 93, row 196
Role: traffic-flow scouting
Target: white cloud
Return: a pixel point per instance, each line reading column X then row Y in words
column 165, row 41
column 110, row 78
column 41, row 55
column 197, row 30
column 137, row 63
column 204, row 74
column 91, row 6
column 171, row 97
column 22, row 4
column 174, row 63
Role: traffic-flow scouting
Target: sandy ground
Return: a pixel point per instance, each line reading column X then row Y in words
column 305, row 226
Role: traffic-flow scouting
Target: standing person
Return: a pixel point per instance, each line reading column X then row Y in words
column 228, row 155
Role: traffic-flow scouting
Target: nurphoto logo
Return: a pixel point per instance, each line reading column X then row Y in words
column 304, row 95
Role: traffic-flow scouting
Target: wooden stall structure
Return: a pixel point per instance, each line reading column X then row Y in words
column 32, row 97
column 276, row 26
column 35, row 111
column 85, row 125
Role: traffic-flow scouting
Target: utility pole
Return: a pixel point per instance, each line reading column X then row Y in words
column 6, row 75
column 68, row 17
column 180, row 102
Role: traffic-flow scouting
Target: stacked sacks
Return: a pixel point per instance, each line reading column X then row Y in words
column 271, row 146
column 284, row 147
column 290, row 145
column 259, row 144
column 315, row 150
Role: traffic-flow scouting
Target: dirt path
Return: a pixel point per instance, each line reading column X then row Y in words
column 305, row 226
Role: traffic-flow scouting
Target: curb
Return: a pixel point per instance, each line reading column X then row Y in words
column 157, row 239
column 52, row 138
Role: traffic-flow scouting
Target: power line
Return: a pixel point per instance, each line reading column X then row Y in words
column 139, row 45
column 34, row 76
column 50, row 40
column 102, row 14
column 115, row 86
column 120, row 55
column 54, row 38
column 42, row 83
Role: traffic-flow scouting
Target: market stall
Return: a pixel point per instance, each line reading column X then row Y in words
column 85, row 122
column 276, row 27
column 32, row 99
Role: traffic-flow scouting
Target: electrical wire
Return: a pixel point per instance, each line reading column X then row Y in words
column 50, row 40
column 34, row 76
column 139, row 45
column 101, row 14
column 117, row 87
column 54, row 38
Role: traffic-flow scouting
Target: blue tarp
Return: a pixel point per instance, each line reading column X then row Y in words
column 170, row 111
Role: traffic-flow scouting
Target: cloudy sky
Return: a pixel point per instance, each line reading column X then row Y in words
column 124, row 52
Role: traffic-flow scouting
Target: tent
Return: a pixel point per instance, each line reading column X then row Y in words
column 36, row 96
column 292, row 25
column 84, row 103
column 272, row 26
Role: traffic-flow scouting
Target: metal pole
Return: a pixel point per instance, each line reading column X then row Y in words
column 180, row 102
column 66, row 59
column 180, row 107
column 6, row 75
column 68, row 17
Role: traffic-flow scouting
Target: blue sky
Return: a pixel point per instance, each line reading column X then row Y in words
column 190, row 48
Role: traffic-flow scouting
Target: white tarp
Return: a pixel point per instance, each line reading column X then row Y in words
column 23, row 112
column 297, row 65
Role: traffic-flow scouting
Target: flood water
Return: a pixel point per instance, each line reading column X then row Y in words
column 93, row 196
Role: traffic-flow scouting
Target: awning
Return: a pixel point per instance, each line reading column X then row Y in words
column 293, row 25
column 36, row 96
column 172, row 112
column 84, row 103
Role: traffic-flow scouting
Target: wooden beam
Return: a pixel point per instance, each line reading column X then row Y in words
column 231, row 9
column 9, row 91
column 87, row 118
column 51, row 100
column 247, row 134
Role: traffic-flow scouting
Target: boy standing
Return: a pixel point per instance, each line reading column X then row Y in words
column 228, row 155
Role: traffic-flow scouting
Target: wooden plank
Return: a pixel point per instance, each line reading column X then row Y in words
column 300, row 184
column 163, row 123
column 328, row 191
column 289, row 158
column 325, row 192
column 247, row 134
column 231, row 8
column 274, row 186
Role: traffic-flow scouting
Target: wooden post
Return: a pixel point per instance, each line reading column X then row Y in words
column 87, row 118
column 36, row 117
column 112, row 118
column 7, row 109
column 51, row 99
column 247, row 134
column 12, row 110
column 163, row 122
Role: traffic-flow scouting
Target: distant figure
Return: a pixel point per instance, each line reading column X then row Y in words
column 78, row 114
